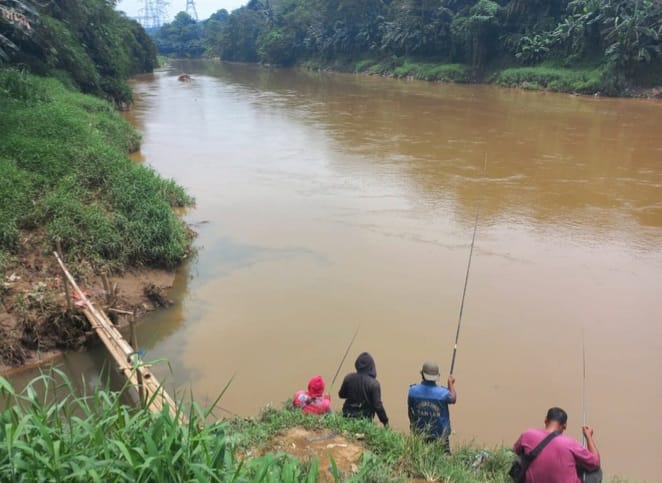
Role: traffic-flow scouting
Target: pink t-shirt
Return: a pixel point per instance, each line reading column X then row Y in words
column 558, row 461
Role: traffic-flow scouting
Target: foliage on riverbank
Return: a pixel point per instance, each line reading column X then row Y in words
column 569, row 45
column 87, row 44
column 581, row 81
column 96, row 438
column 66, row 175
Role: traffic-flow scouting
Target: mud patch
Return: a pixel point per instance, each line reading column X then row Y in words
column 56, row 330
column 156, row 295
column 35, row 324
column 306, row 445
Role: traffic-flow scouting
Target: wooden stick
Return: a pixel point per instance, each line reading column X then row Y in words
column 106, row 287
column 58, row 245
column 120, row 311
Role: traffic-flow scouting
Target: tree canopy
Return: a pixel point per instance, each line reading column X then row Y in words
column 89, row 43
column 623, row 35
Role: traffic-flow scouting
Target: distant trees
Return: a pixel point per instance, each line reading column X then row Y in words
column 624, row 35
column 183, row 37
column 91, row 44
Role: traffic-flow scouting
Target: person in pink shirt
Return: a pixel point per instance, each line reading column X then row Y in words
column 563, row 458
column 313, row 401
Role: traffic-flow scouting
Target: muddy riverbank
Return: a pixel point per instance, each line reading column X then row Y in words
column 35, row 323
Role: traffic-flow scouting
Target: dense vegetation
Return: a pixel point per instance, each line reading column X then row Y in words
column 49, row 434
column 589, row 45
column 65, row 174
column 88, row 45
column 63, row 156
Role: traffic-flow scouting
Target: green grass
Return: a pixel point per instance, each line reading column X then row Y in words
column 582, row 81
column 65, row 170
column 49, row 434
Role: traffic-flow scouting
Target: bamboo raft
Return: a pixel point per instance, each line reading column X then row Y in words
column 151, row 392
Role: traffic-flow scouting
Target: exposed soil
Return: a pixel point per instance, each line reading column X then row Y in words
column 35, row 323
column 306, row 445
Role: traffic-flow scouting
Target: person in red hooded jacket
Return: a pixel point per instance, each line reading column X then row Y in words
column 313, row 401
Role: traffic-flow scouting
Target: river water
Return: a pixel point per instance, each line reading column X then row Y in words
column 326, row 202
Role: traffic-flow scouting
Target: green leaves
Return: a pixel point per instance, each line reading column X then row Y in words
column 111, row 442
column 84, row 191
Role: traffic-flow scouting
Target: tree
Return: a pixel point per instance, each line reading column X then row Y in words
column 95, row 46
column 183, row 37
column 476, row 31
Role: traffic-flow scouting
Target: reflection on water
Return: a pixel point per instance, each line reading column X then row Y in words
column 328, row 201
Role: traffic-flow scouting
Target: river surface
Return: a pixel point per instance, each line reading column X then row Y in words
column 326, row 202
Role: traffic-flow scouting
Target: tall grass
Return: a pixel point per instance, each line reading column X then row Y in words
column 49, row 434
column 64, row 169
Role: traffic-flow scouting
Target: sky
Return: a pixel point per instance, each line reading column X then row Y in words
column 204, row 7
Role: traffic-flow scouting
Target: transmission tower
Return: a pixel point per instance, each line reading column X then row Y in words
column 153, row 14
column 191, row 10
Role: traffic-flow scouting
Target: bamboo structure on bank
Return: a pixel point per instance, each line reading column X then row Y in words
column 128, row 361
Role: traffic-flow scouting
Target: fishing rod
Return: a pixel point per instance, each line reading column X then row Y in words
column 342, row 361
column 466, row 281
column 464, row 293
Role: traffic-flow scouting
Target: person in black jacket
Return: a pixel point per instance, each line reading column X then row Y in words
column 362, row 392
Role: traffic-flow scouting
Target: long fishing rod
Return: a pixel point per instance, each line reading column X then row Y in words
column 466, row 281
column 464, row 293
column 342, row 361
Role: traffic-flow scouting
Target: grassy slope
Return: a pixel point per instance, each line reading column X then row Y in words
column 65, row 174
column 98, row 438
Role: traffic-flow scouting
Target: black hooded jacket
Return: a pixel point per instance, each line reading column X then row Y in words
column 362, row 392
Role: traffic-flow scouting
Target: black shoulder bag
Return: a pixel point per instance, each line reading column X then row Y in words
column 522, row 462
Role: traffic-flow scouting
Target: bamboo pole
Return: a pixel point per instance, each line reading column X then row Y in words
column 121, row 351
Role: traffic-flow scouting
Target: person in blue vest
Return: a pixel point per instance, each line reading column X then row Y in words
column 428, row 406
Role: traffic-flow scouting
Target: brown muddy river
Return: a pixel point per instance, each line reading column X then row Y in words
column 327, row 201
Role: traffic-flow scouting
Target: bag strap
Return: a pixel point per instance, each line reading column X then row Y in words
column 536, row 451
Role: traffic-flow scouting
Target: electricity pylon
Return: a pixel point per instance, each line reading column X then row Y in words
column 191, row 10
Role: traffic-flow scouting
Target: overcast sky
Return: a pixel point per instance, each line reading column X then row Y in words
column 204, row 7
